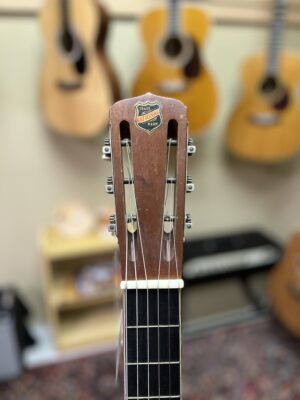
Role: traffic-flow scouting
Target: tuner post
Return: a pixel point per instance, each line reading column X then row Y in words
column 106, row 150
column 188, row 221
column 112, row 227
column 191, row 148
column 190, row 186
column 109, row 187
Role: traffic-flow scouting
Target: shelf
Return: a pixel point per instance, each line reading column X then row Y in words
column 64, row 295
column 56, row 247
column 88, row 327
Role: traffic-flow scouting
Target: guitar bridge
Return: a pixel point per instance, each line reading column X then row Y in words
column 68, row 86
column 264, row 119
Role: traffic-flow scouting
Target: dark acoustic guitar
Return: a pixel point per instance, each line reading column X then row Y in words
column 173, row 65
column 77, row 84
column 284, row 287
column 148, row 145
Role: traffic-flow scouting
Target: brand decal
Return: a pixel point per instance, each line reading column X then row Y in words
column 148, row 116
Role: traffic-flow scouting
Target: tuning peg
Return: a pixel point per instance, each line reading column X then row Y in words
column 109, row 187
column 112, row 227
column 106, row 150
column 190, row 187
column 188, row 221
column 191, row 149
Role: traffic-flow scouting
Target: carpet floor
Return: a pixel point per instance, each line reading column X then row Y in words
column 254, row 360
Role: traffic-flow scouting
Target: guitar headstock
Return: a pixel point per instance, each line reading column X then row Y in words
column 148, row 146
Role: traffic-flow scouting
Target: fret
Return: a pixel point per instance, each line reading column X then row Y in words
column 164, row 380
column 163, row 345
column 166, row 317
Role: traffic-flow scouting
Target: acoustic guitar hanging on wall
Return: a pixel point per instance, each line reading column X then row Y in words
column 284, row 287
column 173, row 65
column 77, row 84
column 265, row 125
column 148, row 146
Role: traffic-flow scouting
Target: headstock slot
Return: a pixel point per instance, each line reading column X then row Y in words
column 131, row 220
column 168, row 240
column 149, row 186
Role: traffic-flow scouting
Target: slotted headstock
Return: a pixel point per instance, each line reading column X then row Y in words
column 148, row 146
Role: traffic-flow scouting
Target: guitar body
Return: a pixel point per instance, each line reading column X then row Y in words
column 76, row 93
column 257, row 131
column 284, row 287
column 164, row 78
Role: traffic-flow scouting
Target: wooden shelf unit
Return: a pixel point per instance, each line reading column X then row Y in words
column 78, row 320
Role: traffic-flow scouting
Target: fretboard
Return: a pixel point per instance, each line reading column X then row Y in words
column 152, row 344
column 174, row 17
column 276, row 38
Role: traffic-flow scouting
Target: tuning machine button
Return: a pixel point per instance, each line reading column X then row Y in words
column 188, row 221
column 190, row 187
column 109, row 187
column 112, row 227
column 191, row 149
column 106, row 150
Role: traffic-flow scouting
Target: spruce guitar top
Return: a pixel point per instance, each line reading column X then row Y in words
column 77, row 84
column 265, row 125
column 173, row 65
column 148, row 146
column 284, row 287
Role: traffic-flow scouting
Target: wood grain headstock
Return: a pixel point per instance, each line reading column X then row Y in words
column 148, row 146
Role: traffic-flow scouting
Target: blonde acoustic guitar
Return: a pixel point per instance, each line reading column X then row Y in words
column 173, row 66
column 265, row 125
column 77, row 83
column 284, row 287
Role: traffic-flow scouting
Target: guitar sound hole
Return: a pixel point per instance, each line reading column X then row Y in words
column 67, row 41
column 275, row 92
column 269, row 85
column 81, row 65
column 173, row 47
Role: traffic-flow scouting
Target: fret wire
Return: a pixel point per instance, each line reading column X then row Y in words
column 153, row 326
column 155, row 397
column 155, row 363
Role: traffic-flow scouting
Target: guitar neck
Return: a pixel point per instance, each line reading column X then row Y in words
column 174, row 17
column 64, row 5
column 152, row 343
column 148, row 139
column 276, row 38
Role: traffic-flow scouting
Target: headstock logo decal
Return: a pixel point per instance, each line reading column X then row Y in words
column 148, row 116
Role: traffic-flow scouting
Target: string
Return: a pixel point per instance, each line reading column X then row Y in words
column 135, row 273
column 132, row 194
column 125, row 316
column 159, row 265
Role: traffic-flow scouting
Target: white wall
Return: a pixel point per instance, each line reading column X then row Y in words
column 38, row 170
